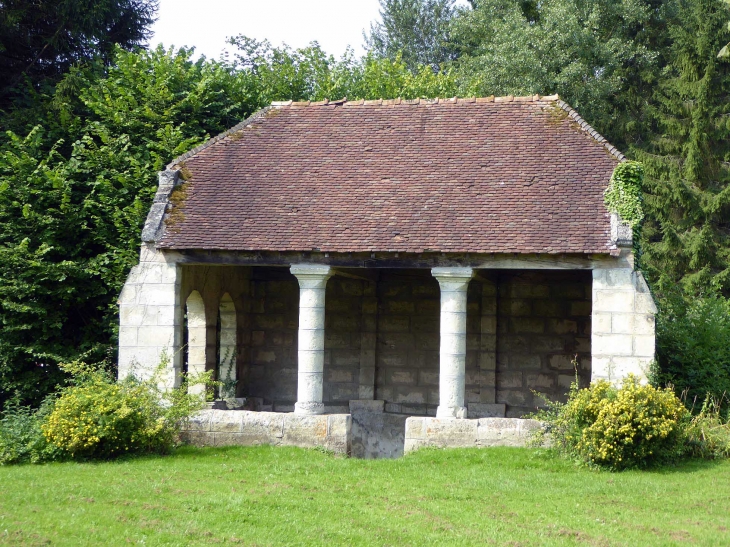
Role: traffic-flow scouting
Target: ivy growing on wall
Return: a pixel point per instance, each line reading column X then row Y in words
column 623, row 195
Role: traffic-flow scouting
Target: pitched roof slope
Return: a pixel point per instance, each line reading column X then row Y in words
column 517, row 175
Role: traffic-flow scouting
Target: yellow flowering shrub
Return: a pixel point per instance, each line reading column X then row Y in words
column 631, row 426
column 98, row 417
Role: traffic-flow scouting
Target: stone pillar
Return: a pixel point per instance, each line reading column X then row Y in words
column 228, row 347
column 312, row 283
column 622, row 325
column 150, row 318
column 368, row 341
column 452, row 349
column 196, row 342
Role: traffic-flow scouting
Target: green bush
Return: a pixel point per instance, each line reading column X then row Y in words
column 97, row 417
column 21, row 437
column 708, row 434
column 100, row 418
column 693, row 348
column 632, row 426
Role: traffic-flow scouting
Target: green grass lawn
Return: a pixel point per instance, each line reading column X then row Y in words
column 289, row 496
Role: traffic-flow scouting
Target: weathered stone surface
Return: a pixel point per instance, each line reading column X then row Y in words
column 224, row 421
column 505, row 431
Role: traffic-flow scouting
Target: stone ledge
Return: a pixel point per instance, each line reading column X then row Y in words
column 250, row 428
column 454, row 432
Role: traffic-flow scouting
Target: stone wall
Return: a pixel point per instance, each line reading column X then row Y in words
column 544, row 321
column 466, row 433
column 623, row 325
column 382, row 336
column 407, row 358
column 245, row 428
column 273, row 322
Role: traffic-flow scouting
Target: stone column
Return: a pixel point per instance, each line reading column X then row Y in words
column 312, row 283
column 452, row 349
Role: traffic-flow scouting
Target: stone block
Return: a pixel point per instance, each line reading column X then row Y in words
column 127, row 336
column 570, row 291
column 619, row 277
column 513, row 397
column 528, row 290
column 565, row 381
column 428, row 377
column 540, row 382
column 302, row 430
column 488, row 342
column 346, row 358
column 405, row 394
column 394, row 408
column 644, row 303
column 487, row 360
column 561, row 362
column 612, row 344
column 581, row 308
column 197, row 438
column 644, row 324
column 505, row 431
column 619, row 301
column 400, row 307
column 450, row 432
column 507, row 380
column 548, row 344
column 482, row 410
column 395, row 340
column 550, row 308
column 489, row 306
column 562, row 326
column 623, row 366
column 339, row 425
column 524, row 361
column 644, row 346
column 200, row 421
column 391, row 358
column 515, row 307
column 262, row 357
column 226, row 421
column 527, row 325
column 339, row 375
column 427, row 342
column 342, row 392
column 263, row 425
column 362, row 405
column 155, row 336
column 395, row 323
column 622, row 323
column 234, row 439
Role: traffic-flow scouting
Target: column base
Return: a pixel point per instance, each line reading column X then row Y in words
column 308, row 409
column 451, row 412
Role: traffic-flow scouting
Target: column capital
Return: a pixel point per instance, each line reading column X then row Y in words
column 311, row 272
column 452, row 275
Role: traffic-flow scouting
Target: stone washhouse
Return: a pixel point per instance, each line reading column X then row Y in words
column 377, row 276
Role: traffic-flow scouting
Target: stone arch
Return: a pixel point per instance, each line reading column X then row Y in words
column 196, row 342
column 227, row 347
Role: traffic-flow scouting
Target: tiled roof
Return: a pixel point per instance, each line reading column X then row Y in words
column 484, row 175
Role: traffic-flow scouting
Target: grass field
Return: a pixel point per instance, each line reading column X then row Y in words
column 289, row 496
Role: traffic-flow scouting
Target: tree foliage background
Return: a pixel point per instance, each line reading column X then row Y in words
column 88, row 116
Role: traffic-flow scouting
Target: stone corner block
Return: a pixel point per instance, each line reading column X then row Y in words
column 339, row 425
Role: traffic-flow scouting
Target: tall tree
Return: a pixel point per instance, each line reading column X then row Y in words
column 75, row 192
column 41, row 39
column 686, row 237
column 418, row 30
column 599, row 55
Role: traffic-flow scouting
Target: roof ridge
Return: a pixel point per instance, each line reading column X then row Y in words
column 418, row 100
column 584, row 126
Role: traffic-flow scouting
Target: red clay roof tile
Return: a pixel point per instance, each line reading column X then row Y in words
column 484, row 175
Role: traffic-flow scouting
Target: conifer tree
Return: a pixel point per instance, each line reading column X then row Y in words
column 686, row 237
